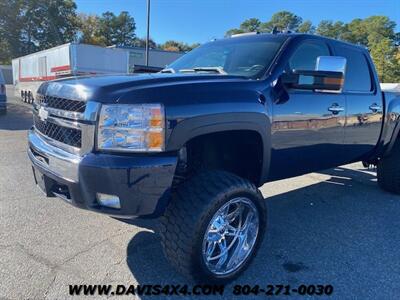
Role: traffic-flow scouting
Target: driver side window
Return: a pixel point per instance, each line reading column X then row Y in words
column 305, row 56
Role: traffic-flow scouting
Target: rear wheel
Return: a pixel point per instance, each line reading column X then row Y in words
column 388, row 171
column 213, row 226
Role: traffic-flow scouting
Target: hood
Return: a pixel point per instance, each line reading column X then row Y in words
column 113, row 88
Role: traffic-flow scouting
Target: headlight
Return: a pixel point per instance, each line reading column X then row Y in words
column 125, row 127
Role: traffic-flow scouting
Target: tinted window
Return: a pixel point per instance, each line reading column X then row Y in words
column 357, row 76
column 305, row 57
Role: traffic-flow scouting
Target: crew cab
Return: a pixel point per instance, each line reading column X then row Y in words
column 192, row 144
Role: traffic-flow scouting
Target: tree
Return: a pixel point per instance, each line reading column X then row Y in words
column 90, row 31
column 306, row 27
column 233, row 31
column 379, row 27
column 334, row 30
column 29, row 26
column 356, row 32
column 194, row 46
column 125, row 29
column 5, row 52
column 177, row 46
column 283, row 21
column 141, row 42
column 10, row 30
column 386, row 64
column 117, row 30
column 397, row 39
column 375, row 32
column 251, row 25
column 58, row 22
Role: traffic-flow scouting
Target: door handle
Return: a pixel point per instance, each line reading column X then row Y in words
column 335, row 108
column 375, row 107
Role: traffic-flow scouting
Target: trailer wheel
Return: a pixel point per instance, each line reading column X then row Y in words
column 30, row 97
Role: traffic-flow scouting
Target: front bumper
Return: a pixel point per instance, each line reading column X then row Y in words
column 142, row 182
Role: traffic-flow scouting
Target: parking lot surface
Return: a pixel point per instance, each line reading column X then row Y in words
column 334, row 227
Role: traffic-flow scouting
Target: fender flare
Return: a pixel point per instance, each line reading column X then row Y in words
column 190, row 128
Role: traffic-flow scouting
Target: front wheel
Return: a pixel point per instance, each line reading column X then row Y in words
column 213, row 226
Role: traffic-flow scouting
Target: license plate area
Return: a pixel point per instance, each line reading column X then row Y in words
column 43, row 182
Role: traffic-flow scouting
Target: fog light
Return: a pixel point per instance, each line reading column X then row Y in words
column 108, row 200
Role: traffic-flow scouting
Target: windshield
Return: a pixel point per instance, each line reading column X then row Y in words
column 234, row 56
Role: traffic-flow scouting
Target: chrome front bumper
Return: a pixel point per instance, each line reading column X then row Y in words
column 142, row 183
column 56, row 161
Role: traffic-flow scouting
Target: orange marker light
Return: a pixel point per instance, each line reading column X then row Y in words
column 155, row 140
column 156, row 117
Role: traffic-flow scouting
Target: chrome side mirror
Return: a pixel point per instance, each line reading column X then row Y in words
column 328, row 76
column 331, row 63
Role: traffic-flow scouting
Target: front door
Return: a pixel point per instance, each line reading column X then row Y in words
column 308, row 129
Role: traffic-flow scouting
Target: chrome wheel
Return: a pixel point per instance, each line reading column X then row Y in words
column 230, row 236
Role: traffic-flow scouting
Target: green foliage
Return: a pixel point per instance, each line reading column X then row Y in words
column 375, row 32
column 283, row 21
column 306, row 27
column 331, row 29
column 29, row 26
column 10, row 30
column 138, row 42
column 107, row 29
column 58, row 22
column 233, row 31
column 90, row 30
column 251, row 25
column 117, row 30
column 386, row 63
column 177, row 46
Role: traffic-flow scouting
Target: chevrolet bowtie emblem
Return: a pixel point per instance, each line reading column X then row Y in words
column 43, row 114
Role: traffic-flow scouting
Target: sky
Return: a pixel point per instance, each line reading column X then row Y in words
column 200, row 21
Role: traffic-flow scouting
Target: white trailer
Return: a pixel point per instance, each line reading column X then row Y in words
column 157, row 58
column 30, row 71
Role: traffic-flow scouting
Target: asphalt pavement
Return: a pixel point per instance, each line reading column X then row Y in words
column 333, row 227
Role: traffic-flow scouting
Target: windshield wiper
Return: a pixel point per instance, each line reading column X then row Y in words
column 167, row 70
column 218, row 70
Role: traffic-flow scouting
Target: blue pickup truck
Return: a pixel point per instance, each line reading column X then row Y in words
column 191, row 145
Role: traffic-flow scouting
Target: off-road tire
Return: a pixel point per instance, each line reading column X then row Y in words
column 388, row 171
column 183, row 225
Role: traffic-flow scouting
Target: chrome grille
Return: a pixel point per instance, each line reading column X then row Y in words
column 69, row 136
column 65, row 123
column 61, row 103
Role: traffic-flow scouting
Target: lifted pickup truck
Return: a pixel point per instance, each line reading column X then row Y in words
column 192, row 144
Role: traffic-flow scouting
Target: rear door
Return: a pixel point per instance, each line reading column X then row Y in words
column 364, row 103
